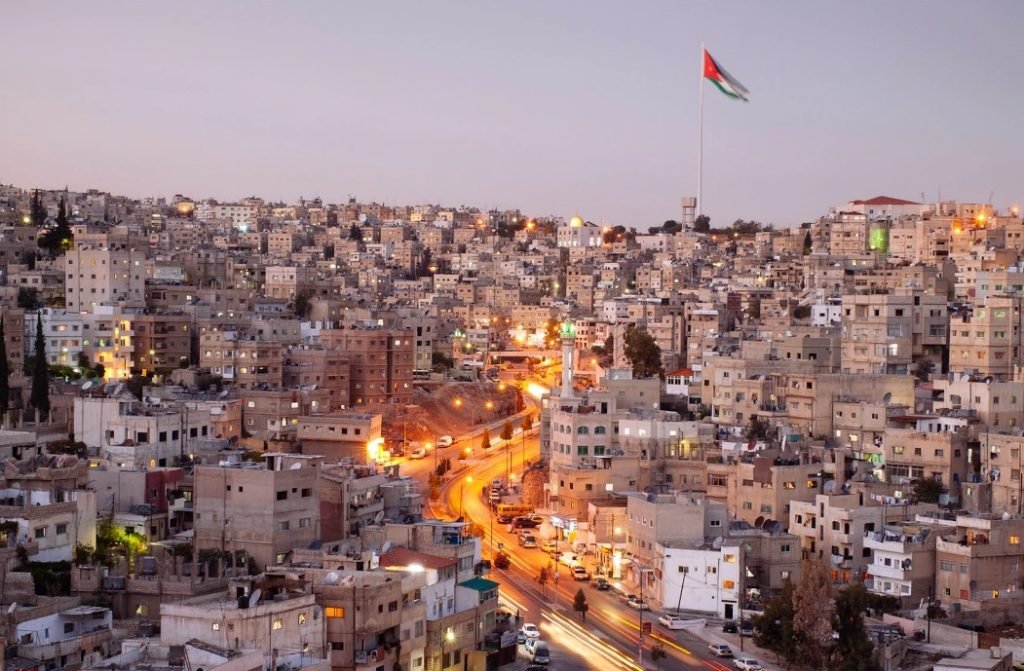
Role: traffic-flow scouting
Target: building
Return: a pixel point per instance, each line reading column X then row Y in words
column 106, row 268
column 381, row 362
column 265, row 509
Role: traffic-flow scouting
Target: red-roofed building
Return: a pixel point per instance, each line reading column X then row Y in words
column 881, row 207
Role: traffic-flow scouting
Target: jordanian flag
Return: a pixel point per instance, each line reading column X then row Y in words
column 725, row 82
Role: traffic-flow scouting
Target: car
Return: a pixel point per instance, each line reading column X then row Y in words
column 550, row 545
column 627, row 597
column 530, row 630
column 672, row 622
column 418, row 453
column 536, row 667
column 730, row 627
column 497, row 483
column 445, row 441
column 638, row 603
column 530, row 644
column 747, row 664
column 540, row 653
column 570, row 559
column 495, row 495
column 720, row 650
column 580, row 573
column 504, row 519
column 524, row 523
column 602, row 584
column 528, row 541
column 746, row 628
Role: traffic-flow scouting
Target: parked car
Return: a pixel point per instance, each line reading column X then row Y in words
column 418, row 453
column 570, row 559
column 524, row 523
column 730, row 627
column 580, row 573
column 495, row 495
column 530, row 644
column 602, row 584
column 550, row 545
column 638, row 603
column 536, row 667
column 720, row 650
column 541, row 654
column 746, row 628
column 504, row 519
column 747, row 664
column 627, row 597
column 445, row 441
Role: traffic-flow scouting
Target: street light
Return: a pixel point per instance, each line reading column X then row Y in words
column 462, row 494
column 449, row 637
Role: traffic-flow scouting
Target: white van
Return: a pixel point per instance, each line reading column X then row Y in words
column 570, row 559
column 445, row 441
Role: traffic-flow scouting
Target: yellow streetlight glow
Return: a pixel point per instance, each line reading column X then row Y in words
column 458, row 403
column 449, row 635
column 489, row 405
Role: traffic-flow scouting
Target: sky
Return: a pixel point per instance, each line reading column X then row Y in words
column 557, row 108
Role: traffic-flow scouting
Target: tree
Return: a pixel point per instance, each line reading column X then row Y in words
column 355, row 233
column 923, row 370
column 28, row 298
column 773, row 628
column 643, row 353
column 506, row 431
column 808, row 243
column 580, row 605
column 40, row 398
column 37, row 213
column 485, row 439
column 927, row 490
column 854, row 650
column 527, row 423
column 813, row 609
column 302, row 305
column 5, row 372
column 423, row 267
column 702, row 224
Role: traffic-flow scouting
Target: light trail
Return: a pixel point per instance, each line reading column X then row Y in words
column 574, row 631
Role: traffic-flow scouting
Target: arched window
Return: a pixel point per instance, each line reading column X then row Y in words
column 583, row 430
column 600, row 430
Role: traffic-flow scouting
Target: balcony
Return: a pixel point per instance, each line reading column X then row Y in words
column 963, row 549
column 890, row 572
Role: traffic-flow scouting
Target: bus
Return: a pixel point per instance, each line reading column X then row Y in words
column 511, row 510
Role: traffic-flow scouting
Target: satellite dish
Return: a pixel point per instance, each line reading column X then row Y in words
column 332, row 578
column 379, row 517
column 965, row 378
column 887, row 397
column 717, row 543
column 118, row 389
column 13, row 607
column 759, row 522
column 347, row 580
column 384, row 548
column 223, row 394
column 296, row 466
column 87, row 386
column 254, row 598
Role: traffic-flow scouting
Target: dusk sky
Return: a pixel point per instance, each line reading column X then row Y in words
column 553, row 107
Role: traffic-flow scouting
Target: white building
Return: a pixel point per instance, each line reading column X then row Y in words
column 705, row 580
column 243, row 217
column 578, row 234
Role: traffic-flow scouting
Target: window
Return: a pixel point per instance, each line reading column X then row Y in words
column 307, row 492
column 784, row 548
column 784, row 575
column 1014, row 539
column 282, row 495
column 277, row 625
column 69, row 627
column 283, row 525
column 945, row 565
column 62, row 529
column 40, row 532
column 334, row 612
column 302, row 618
column 216, row 626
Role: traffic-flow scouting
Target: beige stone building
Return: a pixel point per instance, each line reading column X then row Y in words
column 987, row 339
column 978, row 562
column 265, row 509
column 889, row 333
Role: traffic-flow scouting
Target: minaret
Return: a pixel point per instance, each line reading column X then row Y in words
column 568, row 350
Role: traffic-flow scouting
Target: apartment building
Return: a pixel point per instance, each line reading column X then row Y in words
column 986, row 340
column 343, row 435
column 241, row 216
column 999, row 405
column 316, row 368
column 889, row 333
column 265, row 509
column 978, row 562
column 903, row 560
column 241, row 358
column 162, row 341
column 381, row 362
column 848, row 234
column 104, row 268
column 933, row 447
column 67, row 638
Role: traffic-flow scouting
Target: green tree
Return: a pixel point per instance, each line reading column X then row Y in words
column 643, row 353
column 702, row 224
column 506, row 431
column 5, row 372
column 854, row 650
column 485, row 439
column 28, row 298
column 355, row 233
column 813, row 610
column 40, row 397
column 773, row 628
column 37, row 212
column 302, row 305
column 808, row 243
column 928, row 490
column 580, row 605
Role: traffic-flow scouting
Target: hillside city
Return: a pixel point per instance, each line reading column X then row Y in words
column 366, row 437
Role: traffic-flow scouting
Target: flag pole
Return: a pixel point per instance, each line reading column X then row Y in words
column 700, row 138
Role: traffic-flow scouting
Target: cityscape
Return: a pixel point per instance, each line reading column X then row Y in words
column 736, row 415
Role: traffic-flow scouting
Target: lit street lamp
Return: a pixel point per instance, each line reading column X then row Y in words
column 449, row 637
column 462, row 494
